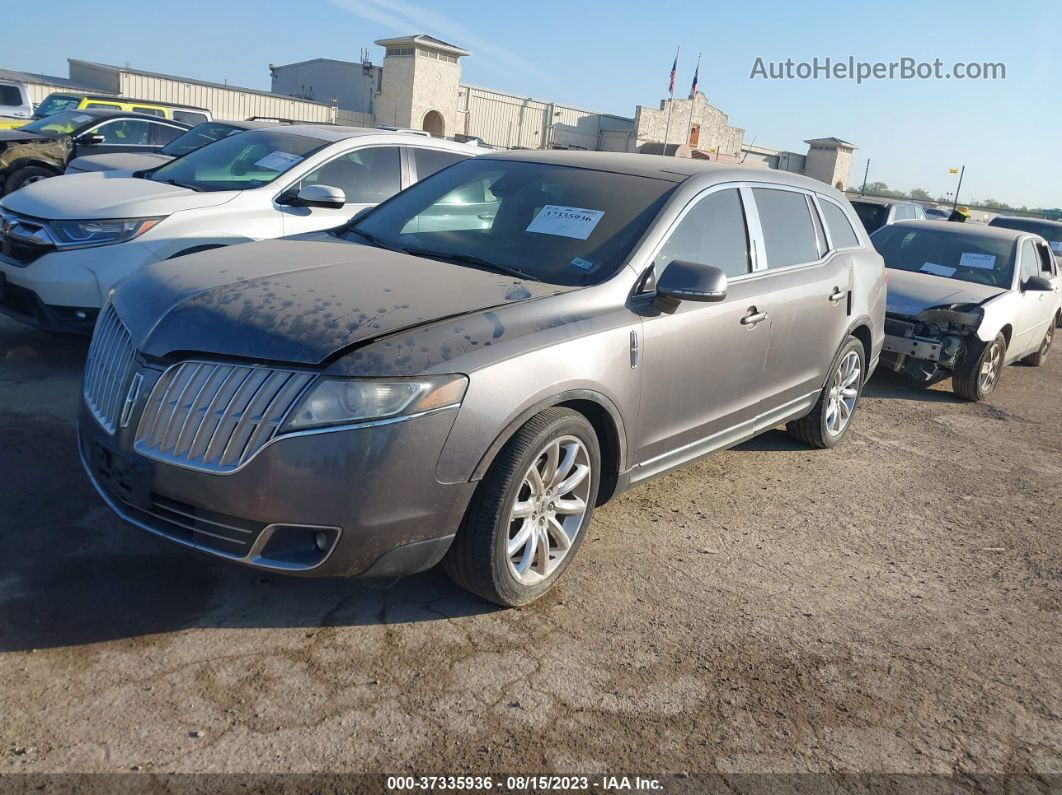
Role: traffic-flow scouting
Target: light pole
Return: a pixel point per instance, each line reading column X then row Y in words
column 958, row 187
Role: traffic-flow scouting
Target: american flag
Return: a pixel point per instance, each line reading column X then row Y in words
column 674, row 69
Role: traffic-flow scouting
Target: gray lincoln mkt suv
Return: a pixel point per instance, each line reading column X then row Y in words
column 464, row 372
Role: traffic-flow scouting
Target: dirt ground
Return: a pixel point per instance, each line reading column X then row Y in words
column 892, row 605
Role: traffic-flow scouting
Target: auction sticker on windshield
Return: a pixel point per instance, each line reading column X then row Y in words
column 938, row 270
column 576, row 222
column 278, row 161
column 969, row 260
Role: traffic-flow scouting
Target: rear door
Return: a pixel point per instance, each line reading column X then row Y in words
column 1037, row 307
column 809, row 285
column 703, row 362
column 366, row 176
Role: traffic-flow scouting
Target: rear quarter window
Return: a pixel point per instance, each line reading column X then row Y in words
column 841, row 232
column 788, row 233
column 190, row 117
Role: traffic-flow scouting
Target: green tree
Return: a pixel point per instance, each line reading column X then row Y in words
column 920, row 194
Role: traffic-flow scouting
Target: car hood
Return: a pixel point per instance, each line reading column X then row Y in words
column 911, row 292
column 119, row 161
column 81, row 196
column 300, row 301
column 21, row 136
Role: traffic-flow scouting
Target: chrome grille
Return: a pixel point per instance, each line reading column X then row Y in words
column 110, row 358
column 215, row 416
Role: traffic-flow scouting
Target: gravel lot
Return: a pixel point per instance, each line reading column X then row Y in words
column 892, row 605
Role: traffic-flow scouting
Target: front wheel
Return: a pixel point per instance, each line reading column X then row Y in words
column 529, row 514
column 26, row 176
column 829, row 421
column 980, row 368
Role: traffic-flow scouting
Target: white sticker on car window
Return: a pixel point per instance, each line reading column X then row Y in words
column 969, row 260
column 585, row 264
column 1056, row 245
column 81, row 117
column 937, row 270
column 278, row 161
column 576, row 222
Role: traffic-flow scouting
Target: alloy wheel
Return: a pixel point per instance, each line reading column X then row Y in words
column 990, row 368
column 1046, row 344
column 844, row 391
column 548, row 511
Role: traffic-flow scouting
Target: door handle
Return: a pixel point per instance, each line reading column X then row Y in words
column 837, row 295
column 485, row 216
column 753, row 318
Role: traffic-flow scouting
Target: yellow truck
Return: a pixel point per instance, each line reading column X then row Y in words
column 70, row 100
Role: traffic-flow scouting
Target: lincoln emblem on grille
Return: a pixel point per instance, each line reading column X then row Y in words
column 131, row 397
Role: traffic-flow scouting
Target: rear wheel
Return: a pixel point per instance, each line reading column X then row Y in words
column 1038, row 358
column 26, row 176
column 980, row 368
column 530, row 513
column 829, row 421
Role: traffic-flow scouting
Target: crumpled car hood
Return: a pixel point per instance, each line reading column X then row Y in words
column 300, row 301
column 912, row 292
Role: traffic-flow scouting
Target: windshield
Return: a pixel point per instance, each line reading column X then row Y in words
column 63, row 123
column 53, row 103
column 552, row 223
column 240, row 162
column 954, row 255
column 872, row 215
column 1052, row 232
column 198, row 137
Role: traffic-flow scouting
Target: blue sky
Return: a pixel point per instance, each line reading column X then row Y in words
column 610, row 56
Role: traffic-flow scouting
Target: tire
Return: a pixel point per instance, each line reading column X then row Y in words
column 479, row 559
column 967, row 380
column 24, row 176
column 1038, row 358
column 830, row 419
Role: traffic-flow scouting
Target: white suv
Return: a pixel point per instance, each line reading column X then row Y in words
column 64, row 242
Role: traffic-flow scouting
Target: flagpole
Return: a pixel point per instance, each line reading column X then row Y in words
column 693, row 99
column 671, row 103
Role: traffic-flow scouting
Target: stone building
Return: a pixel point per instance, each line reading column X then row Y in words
column 420, row 83
column 694, row 123
column 829, row 160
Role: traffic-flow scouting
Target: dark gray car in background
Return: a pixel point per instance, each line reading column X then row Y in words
column 425, row 384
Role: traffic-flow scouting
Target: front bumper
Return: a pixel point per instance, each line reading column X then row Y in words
column 371, row 491
column 75, row 277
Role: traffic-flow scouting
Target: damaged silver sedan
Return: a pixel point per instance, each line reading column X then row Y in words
column 964, row 301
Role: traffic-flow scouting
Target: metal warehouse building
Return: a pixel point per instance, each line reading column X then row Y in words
column 224, row 101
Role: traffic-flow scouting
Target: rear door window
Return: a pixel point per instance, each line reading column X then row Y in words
column 788, row 232
column 162, row 134
column 841, row 232
column 10, row 96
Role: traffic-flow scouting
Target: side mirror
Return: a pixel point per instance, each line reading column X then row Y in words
column 91, row 139
column 1038, row 284
column 321, row 196
column 683, row 280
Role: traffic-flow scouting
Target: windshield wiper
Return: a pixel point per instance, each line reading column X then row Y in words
column 471, row 259
column 373, row 239
column 175, row 183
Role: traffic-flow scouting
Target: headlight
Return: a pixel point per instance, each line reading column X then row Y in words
column 77, row 234
column 336, row 401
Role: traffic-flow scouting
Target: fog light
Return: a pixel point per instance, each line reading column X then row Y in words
column 321, row 542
